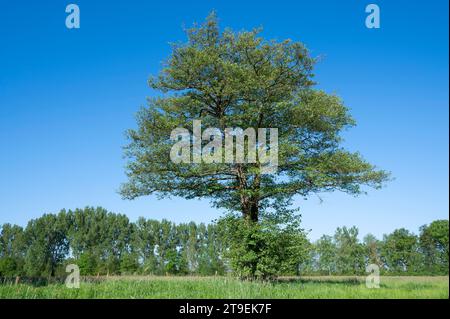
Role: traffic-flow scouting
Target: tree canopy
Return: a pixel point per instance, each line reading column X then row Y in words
column 232, row 79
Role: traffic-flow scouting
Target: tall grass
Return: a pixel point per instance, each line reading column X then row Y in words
column 224, row 287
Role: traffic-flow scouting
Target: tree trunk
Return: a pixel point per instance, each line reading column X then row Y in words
column 254, row 211
column 250, row 210
column 249, row 204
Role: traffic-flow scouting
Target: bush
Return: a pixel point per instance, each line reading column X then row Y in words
column 8, row 267
column 276, row 245
column 87, row 263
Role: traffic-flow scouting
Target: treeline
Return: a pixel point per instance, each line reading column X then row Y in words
column 102, row 243
column 399, row 253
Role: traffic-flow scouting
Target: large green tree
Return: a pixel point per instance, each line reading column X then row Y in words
column 12, row 250
column 434, row 245
column 47, row 244
column 400, row 252
column 228, row 80
column 349, row 252
column 325, row 255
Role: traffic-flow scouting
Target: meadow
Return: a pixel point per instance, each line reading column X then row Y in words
column 328, row 287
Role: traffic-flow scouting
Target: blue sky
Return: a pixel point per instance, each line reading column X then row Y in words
column 67, row 96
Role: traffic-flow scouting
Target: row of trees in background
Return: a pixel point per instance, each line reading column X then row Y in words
column 401, row 252
column 102, row 243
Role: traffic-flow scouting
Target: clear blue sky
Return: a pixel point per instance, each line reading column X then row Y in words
column 67, row 96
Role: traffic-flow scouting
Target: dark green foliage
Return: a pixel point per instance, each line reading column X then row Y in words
column 273, row 246
column 102, row 243
column 434, row 245
column 129, row 264
column 99, row 239
column 88, row 263
column 47, row 244
column 12, row 248
column 400, row 252
column 8, row 267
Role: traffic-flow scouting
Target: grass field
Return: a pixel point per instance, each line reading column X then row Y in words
column 223, row 288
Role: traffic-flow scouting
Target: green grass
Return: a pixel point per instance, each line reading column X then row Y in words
column 223, row 288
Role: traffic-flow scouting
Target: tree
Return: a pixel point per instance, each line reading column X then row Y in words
column 129, row 263
column 190, row 242
column 12, row 250
column 274, row 246
column 434, row 245
column 120, row 234
column 202, row 251
column 144, row 243
column 230, row 80
column 88, row 263
column 400, row 252
column 166, row 247
column 325, row 250
column 349, row 252
column 47, row 244
column 372, row 250
column 210, row 250
column 99, row 238
column 87, row 236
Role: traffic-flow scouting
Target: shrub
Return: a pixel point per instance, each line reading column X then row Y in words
column 273, row 246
